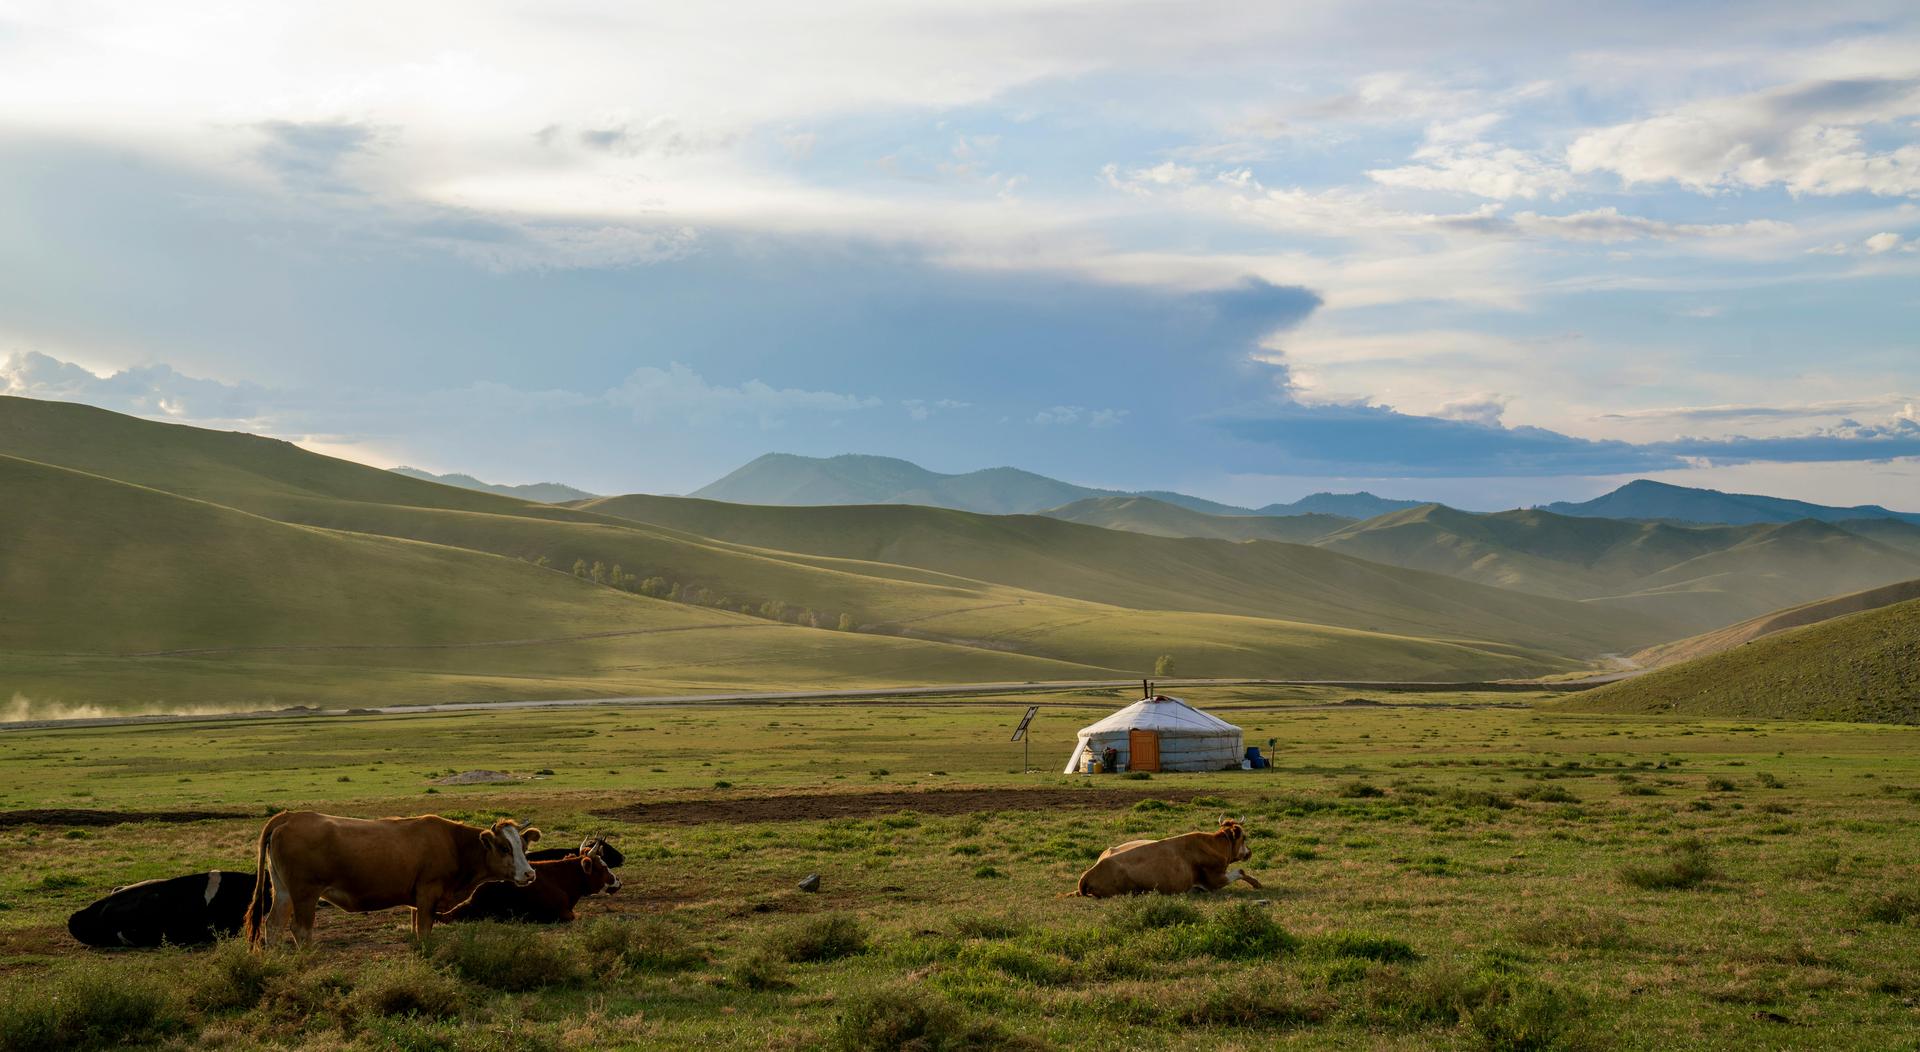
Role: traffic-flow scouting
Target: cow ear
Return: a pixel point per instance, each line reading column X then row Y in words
column 487, row 839
column 586, row 864
column 529, row 836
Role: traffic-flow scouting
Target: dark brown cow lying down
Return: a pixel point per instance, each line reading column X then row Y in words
column 428, row 864
column 1171, row 866
column 558, row 884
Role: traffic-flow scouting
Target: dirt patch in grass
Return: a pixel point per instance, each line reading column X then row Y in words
column 69, row 816
column 814, row 806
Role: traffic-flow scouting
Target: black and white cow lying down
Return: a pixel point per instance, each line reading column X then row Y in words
column 203, row 907
column 182, row 911
column 593, row 845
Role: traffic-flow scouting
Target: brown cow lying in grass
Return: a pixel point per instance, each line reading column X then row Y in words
column 1190, row 861
column 428, row 864
column 557, row 885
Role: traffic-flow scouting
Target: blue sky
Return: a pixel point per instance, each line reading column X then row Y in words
column 1495, row 256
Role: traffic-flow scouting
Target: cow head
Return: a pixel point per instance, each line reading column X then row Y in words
column 599, row 877
column 506, row 846
column 1236, row 838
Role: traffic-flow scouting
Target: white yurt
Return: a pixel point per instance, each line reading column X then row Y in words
column 1168, row 734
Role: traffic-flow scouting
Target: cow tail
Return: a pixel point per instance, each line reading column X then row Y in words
column 262, row 890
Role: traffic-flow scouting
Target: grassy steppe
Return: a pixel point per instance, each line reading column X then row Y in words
column 1864, row 666
column 151, row 566
column 1442, row 871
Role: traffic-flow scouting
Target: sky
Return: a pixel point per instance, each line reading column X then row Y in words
column 1493, row 254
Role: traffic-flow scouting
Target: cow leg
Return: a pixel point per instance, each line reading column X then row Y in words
column 1240, row 874
column 423, row 916
column 303, row 920
column 1213, row 879
column 279, row 915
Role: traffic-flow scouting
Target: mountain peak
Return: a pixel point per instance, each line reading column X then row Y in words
column 1648, row 499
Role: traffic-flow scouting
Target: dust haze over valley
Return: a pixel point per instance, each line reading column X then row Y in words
column 964, row 527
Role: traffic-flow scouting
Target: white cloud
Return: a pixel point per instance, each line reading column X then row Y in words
column 1807, row 137
column 1455, row 159
column 1881, row 242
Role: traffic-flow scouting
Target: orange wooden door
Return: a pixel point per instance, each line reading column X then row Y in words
column 1143, row 751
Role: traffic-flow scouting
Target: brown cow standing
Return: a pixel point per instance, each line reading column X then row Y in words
column 557, row 886
column 428, row 864
column 1171, row 866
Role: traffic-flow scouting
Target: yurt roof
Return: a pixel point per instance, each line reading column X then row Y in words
column 1163, row 714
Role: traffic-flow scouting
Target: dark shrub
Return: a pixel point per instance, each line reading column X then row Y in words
column 824, row 938
column 1360, row 790
column 504, row 956
column 1722, row 785
column 1688, row 863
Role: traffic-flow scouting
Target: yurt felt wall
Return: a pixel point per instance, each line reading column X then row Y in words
column 1190, row 740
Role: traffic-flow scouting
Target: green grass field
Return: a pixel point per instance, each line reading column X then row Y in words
column 1442, row 871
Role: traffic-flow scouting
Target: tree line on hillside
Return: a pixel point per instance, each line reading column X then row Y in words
column 616, row 576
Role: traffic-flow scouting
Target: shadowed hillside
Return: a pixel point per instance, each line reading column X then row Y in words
column 1779, row 621
column 1698, row 576
column 1259, row 579
column 1864, row 667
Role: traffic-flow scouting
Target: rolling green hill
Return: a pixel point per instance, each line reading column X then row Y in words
column 1161, row 519
column 1697, row 577
column 238, row 572
column 121, row 597
column 1779, row 621
column 1254, row 579
column 1864, row 667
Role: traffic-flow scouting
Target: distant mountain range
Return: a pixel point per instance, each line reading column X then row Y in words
column 1646, row 499
column 789, row 480
column 538, row 492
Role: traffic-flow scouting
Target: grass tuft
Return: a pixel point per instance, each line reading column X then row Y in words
column 1366, row 947
column 92, row 1006
column 407, row 986
column 909, row 1018
column 824, row 938
column 1151, row 912
column 1689, row 863
column 504, row 956
column 618, row 945
column 1900, row 906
